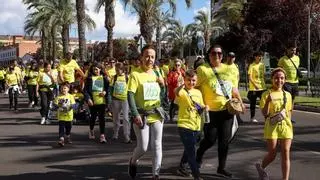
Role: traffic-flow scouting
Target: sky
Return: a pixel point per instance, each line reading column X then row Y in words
column 13, row 13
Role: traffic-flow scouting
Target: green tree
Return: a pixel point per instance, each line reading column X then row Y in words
column 147, row 11
column 178, row 34
column 109, row 21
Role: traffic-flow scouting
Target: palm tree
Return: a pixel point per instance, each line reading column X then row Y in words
column 62, row 14
column 161, row 20
column 81, row 14
column 179, row 34
column 204, row 25
column 147, row 10
column 109, row 21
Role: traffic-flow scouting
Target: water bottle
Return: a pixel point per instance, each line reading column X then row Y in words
column 206, row 116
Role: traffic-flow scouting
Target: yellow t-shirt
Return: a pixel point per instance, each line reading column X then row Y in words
column 110, row 73
column 147, row 92
column 41, row 69
column 257, row 72
column 18, row 71
column 188, row 116
column 33, row 76
column 67, row 101
column 234, row 73
column 97, row 88
column 283, row 129
column 210, row 88
column 55, row 74
column 68, row 70
column 134, row 68
column 12, row 79
column 2, row 74
column 78, row 96
column 45, row 80
column 120, row 88
column 289, row 68
column 165, row 69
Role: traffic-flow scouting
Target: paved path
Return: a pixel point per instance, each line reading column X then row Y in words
column 29, row 151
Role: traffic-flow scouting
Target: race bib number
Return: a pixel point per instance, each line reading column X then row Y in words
column 227, row 85
column 97, row 85
column 119, row 87
column 46, row 79
column 151, row 91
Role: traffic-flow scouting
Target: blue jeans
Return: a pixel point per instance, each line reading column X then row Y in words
column 189, row 140
column 64, row 128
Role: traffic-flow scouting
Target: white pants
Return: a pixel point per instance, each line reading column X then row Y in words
column 117, row 107
column 155, row 131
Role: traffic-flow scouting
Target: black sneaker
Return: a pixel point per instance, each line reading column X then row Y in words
column 224, row 173
column 183, row 172
column 156, row 177
column 132, row 169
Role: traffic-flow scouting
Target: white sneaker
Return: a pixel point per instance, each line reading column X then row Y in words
column 91, row 134
column 31, row 104
column 43, row 120
column 254, row 120
column 263, row 175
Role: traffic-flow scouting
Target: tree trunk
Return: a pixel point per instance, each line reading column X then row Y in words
column 158, row 38
column 81, row 29
column 54, row 45
column 181, row 51
column 146, row 28
column 110, row 43
column 206, row 41
column 44, row 45
column 65, row 39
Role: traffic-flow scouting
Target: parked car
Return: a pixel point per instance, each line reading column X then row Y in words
column 303, row 71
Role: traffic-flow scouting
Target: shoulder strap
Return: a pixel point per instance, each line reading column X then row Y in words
column 115, row 77
column 221, row 83
column 284, row 99
column 293, row 64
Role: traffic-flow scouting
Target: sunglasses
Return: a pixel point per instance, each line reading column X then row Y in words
column 178, row 64
column 214, row 53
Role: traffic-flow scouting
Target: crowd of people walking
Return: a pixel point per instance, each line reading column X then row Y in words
column 148, row 93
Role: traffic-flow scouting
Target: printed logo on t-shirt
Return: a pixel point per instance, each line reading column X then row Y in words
column 97, row 84
column 227, row 85
column 119, row 87
column 151, row 91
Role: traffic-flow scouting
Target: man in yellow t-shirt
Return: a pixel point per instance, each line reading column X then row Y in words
column 289, row 63
column 256, row 72
column 67, row 69
column 233, row 71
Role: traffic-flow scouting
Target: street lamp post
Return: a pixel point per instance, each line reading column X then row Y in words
column 308, row 40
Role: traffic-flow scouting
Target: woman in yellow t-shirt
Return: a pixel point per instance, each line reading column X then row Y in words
column 13, row 84
column 119, row 93
column 276, row 106
column 45, row 84
column 96, row 94
column 32, row 76
column 144, row 101
column 216, row 97
column 257, row 85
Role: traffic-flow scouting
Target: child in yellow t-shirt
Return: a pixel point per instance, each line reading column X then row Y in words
column 13, row 84
column 64, row 102
column 276, row 106
column 191, row 105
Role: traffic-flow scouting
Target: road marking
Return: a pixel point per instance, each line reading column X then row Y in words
column 296, row 147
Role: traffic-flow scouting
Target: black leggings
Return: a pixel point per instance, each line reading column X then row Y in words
column 98, row 111
column 252, row 96
column 46, row 97
column 32, row 94
column 13, row 98
column 219, row 128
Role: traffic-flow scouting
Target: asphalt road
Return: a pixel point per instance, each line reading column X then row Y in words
column 29, row 151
